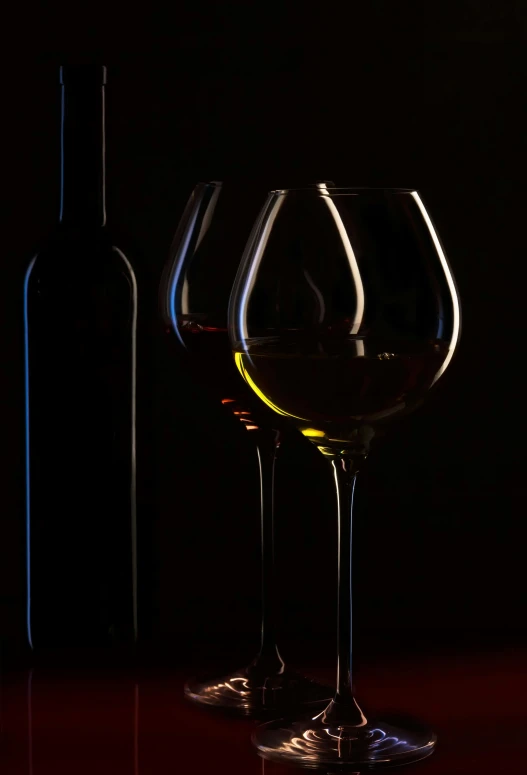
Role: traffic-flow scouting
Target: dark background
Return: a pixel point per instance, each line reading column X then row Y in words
column 440, row 554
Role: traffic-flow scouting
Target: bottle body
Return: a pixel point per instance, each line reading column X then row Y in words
column 80, row 316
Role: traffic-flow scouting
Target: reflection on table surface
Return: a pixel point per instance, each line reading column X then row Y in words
column 65, row 722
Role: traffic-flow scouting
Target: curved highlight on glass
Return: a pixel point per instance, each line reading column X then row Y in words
column 451, row 285
column 359, row 312
column 256, row 246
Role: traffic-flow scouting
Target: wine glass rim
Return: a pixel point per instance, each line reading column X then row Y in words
column 343, row 190
column 335, row 190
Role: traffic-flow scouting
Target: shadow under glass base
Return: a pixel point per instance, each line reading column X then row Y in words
column 243, row 695
column 387, row 741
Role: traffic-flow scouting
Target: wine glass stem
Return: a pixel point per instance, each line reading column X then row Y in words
column 269, row 659
column 345, row 472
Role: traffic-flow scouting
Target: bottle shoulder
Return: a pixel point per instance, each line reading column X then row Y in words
column 75, row 252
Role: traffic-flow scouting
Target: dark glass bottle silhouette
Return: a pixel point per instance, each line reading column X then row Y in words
column 80, row 316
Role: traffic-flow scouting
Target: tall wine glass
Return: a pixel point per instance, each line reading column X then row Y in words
column 343, row 315
column 195, row 292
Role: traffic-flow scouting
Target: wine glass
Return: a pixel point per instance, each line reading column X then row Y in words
column 343, row 315
column 195, row 291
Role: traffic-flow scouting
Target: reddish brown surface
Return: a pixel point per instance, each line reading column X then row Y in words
column 75, row 725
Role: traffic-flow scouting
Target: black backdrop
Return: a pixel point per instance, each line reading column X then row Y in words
column 439, row 551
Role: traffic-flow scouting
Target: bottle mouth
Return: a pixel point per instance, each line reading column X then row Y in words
column 83, row 74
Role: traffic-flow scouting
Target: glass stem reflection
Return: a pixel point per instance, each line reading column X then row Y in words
column 268, row 662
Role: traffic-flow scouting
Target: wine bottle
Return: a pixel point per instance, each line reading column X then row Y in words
column 80, row 320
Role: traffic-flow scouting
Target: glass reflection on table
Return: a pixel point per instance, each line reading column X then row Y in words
column 96, row 723
column 63, row 723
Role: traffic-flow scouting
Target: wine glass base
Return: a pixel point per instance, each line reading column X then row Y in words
column 389, row 741
column 243, row 695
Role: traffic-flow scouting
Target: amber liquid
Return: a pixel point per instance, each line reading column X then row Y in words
column 333, row 393
column 212, row 363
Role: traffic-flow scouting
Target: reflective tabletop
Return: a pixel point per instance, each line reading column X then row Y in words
column 65, row 721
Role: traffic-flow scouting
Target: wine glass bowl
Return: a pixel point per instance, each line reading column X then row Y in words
column 195, row 290
column 343, row 316
column 348, row 313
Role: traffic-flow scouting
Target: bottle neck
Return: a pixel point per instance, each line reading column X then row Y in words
column 82, row 183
